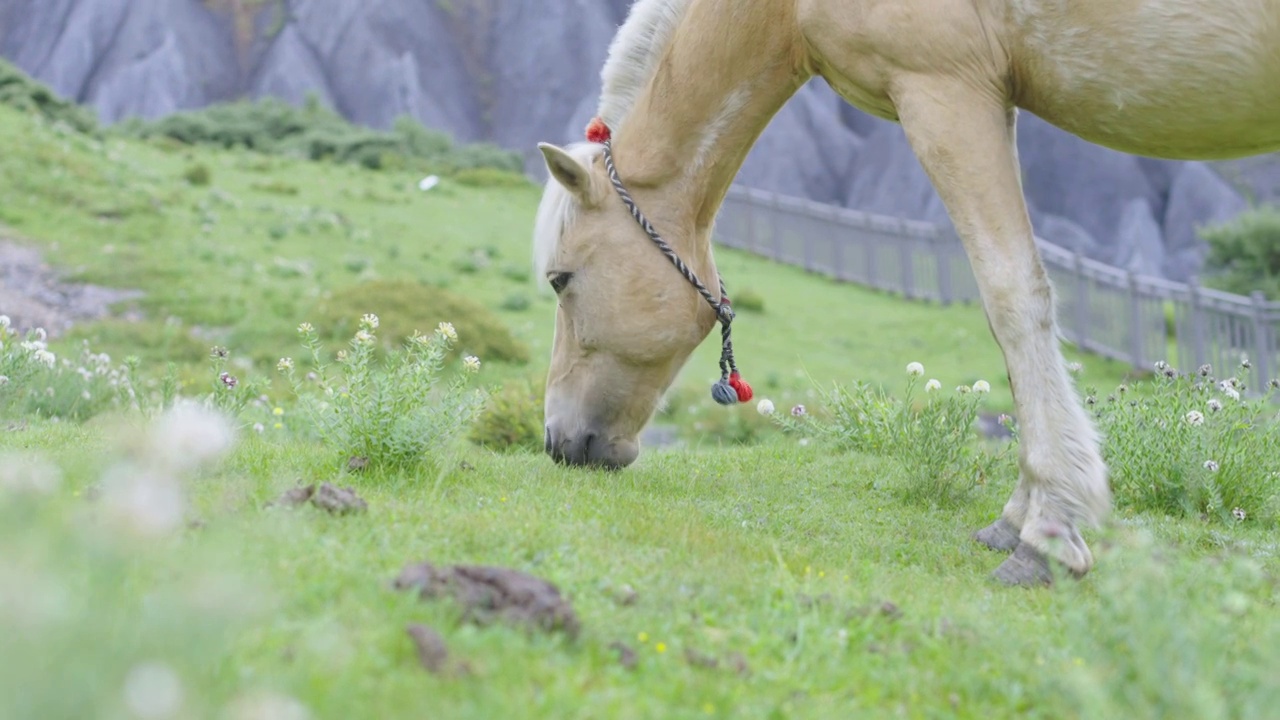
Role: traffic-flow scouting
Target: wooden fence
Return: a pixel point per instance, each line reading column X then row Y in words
column 1133, row 318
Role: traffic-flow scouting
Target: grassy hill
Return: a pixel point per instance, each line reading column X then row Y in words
column 147, row 571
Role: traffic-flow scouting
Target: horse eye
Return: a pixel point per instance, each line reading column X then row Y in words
column 560, row 280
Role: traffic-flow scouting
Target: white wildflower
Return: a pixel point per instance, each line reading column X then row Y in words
column 1232, row 393
column 1238, row 514
column 369, row 321
column 446, row 329
column 28, row 472
column 1161, row 366
column 33, row 346
column 363, row 337
column 5, row 322
column 1211, row 466
column 305, row 328
column 46, row 357
column 188, row 435
column 1195, row 417
column 471, row 363
column 765, row 407
column 285, row 364
column 982, row 386
column 1214, row 405
column 932, row 385
column 798, row 411
column 41, row 335
column 915, row 369
column 1074, row 368
column 4, row 380
column 963, row 389
column 153, row 690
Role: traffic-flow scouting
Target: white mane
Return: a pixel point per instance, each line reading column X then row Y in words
column 633, row 58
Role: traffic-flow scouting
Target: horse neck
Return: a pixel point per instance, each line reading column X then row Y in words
column 727, row 71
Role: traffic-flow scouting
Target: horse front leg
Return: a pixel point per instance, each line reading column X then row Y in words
column 963, row 134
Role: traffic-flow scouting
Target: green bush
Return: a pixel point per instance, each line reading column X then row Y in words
column 405, row 306
column 935, row 442
column 748, row 300
column 516, row 302
column 1244, row 254
column 19, row 91
column 1193, row 446
column 390, row 416
column 274, row 127
column 512, row 418
column 198, row 175
column 484, row 177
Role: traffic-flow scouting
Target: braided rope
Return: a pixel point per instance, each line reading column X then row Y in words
column 725, row 392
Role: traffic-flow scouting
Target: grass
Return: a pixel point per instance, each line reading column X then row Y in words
column 783, row 554
column 821, row 582
column 230, row 263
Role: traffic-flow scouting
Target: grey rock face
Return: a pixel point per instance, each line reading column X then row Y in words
column 516, row 72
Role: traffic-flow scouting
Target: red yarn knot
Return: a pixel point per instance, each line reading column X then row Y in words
column 597, row 131
column 743, row 389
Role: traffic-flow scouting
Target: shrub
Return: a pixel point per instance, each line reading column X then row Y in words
column 273, row 127
column 405, row 306
column 19, row 91
column 35, row 381
column 748, row 300
column 198, row 175
column 512, row 418
column 395, row 416
column 1193, row 445
column 1244, row 254
column 935, row 442
column 700, row 420
column 516, row 302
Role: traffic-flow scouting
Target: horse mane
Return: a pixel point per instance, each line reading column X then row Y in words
column 633, row 59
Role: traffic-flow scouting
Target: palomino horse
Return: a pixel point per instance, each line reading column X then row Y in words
column 690, row 84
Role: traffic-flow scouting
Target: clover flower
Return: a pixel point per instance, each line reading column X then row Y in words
column 228, row 380
column 963, row 389
column 765, row 407
column 982, row 386
column 363, row 337
column 915, row 369
column 1214, row 405
column 285, row 364
column 932, row 385
column 798, row 411
column 471, row 364
column 1238, row 514
column 46, row 357
column 218, row 353
column 1195, row 417
column 1211, row 466
column 446, row 329
column 1204, row 370
column 369, row 321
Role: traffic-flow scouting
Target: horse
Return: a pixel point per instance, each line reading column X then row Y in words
column 689, row 85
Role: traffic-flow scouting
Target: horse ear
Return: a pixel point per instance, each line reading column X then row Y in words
column 567, row 171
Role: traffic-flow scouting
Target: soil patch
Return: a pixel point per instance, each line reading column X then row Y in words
column 33, row 295
column 488, row 594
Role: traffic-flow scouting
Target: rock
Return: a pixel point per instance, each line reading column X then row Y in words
column 1139, row 242
column 890, row 180
column 1198, row 198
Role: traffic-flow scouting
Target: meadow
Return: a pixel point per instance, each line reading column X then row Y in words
column 756, row 567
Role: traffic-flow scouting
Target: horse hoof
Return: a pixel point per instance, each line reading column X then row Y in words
column 999, row 535
column 1025, row 567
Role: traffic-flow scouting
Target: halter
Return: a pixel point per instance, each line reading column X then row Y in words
column 731, row 387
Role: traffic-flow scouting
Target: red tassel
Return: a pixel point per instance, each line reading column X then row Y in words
column 737, row 383
column 597, row 131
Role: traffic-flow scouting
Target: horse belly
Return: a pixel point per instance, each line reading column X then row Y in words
column 1164, row 78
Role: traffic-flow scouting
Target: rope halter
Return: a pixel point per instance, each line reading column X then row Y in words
column 731, row 388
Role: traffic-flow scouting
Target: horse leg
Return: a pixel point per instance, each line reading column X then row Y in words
column 963, row 134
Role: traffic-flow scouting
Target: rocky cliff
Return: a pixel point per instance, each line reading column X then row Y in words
column 519, row 71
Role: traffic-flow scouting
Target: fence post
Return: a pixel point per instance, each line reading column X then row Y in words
column 775, row 215
column 749, row 203
column 869, row 248
column 905, row 261
column 1261, row 342
column 837, row 243
column 1197, row 321
column 1082, row 299
column 1137, row 333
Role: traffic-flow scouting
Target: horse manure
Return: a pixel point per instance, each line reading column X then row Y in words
column 339, row 501
column 626, row 656
column 432, row 652
column 357, row 463
column 487, row 594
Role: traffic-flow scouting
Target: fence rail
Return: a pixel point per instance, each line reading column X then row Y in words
column 1118, row 314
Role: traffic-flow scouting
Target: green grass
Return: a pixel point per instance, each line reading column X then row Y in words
column 842, row 595
column 238, row 263
column 780, row 553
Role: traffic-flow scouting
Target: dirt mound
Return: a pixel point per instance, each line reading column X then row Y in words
column 493, row 593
